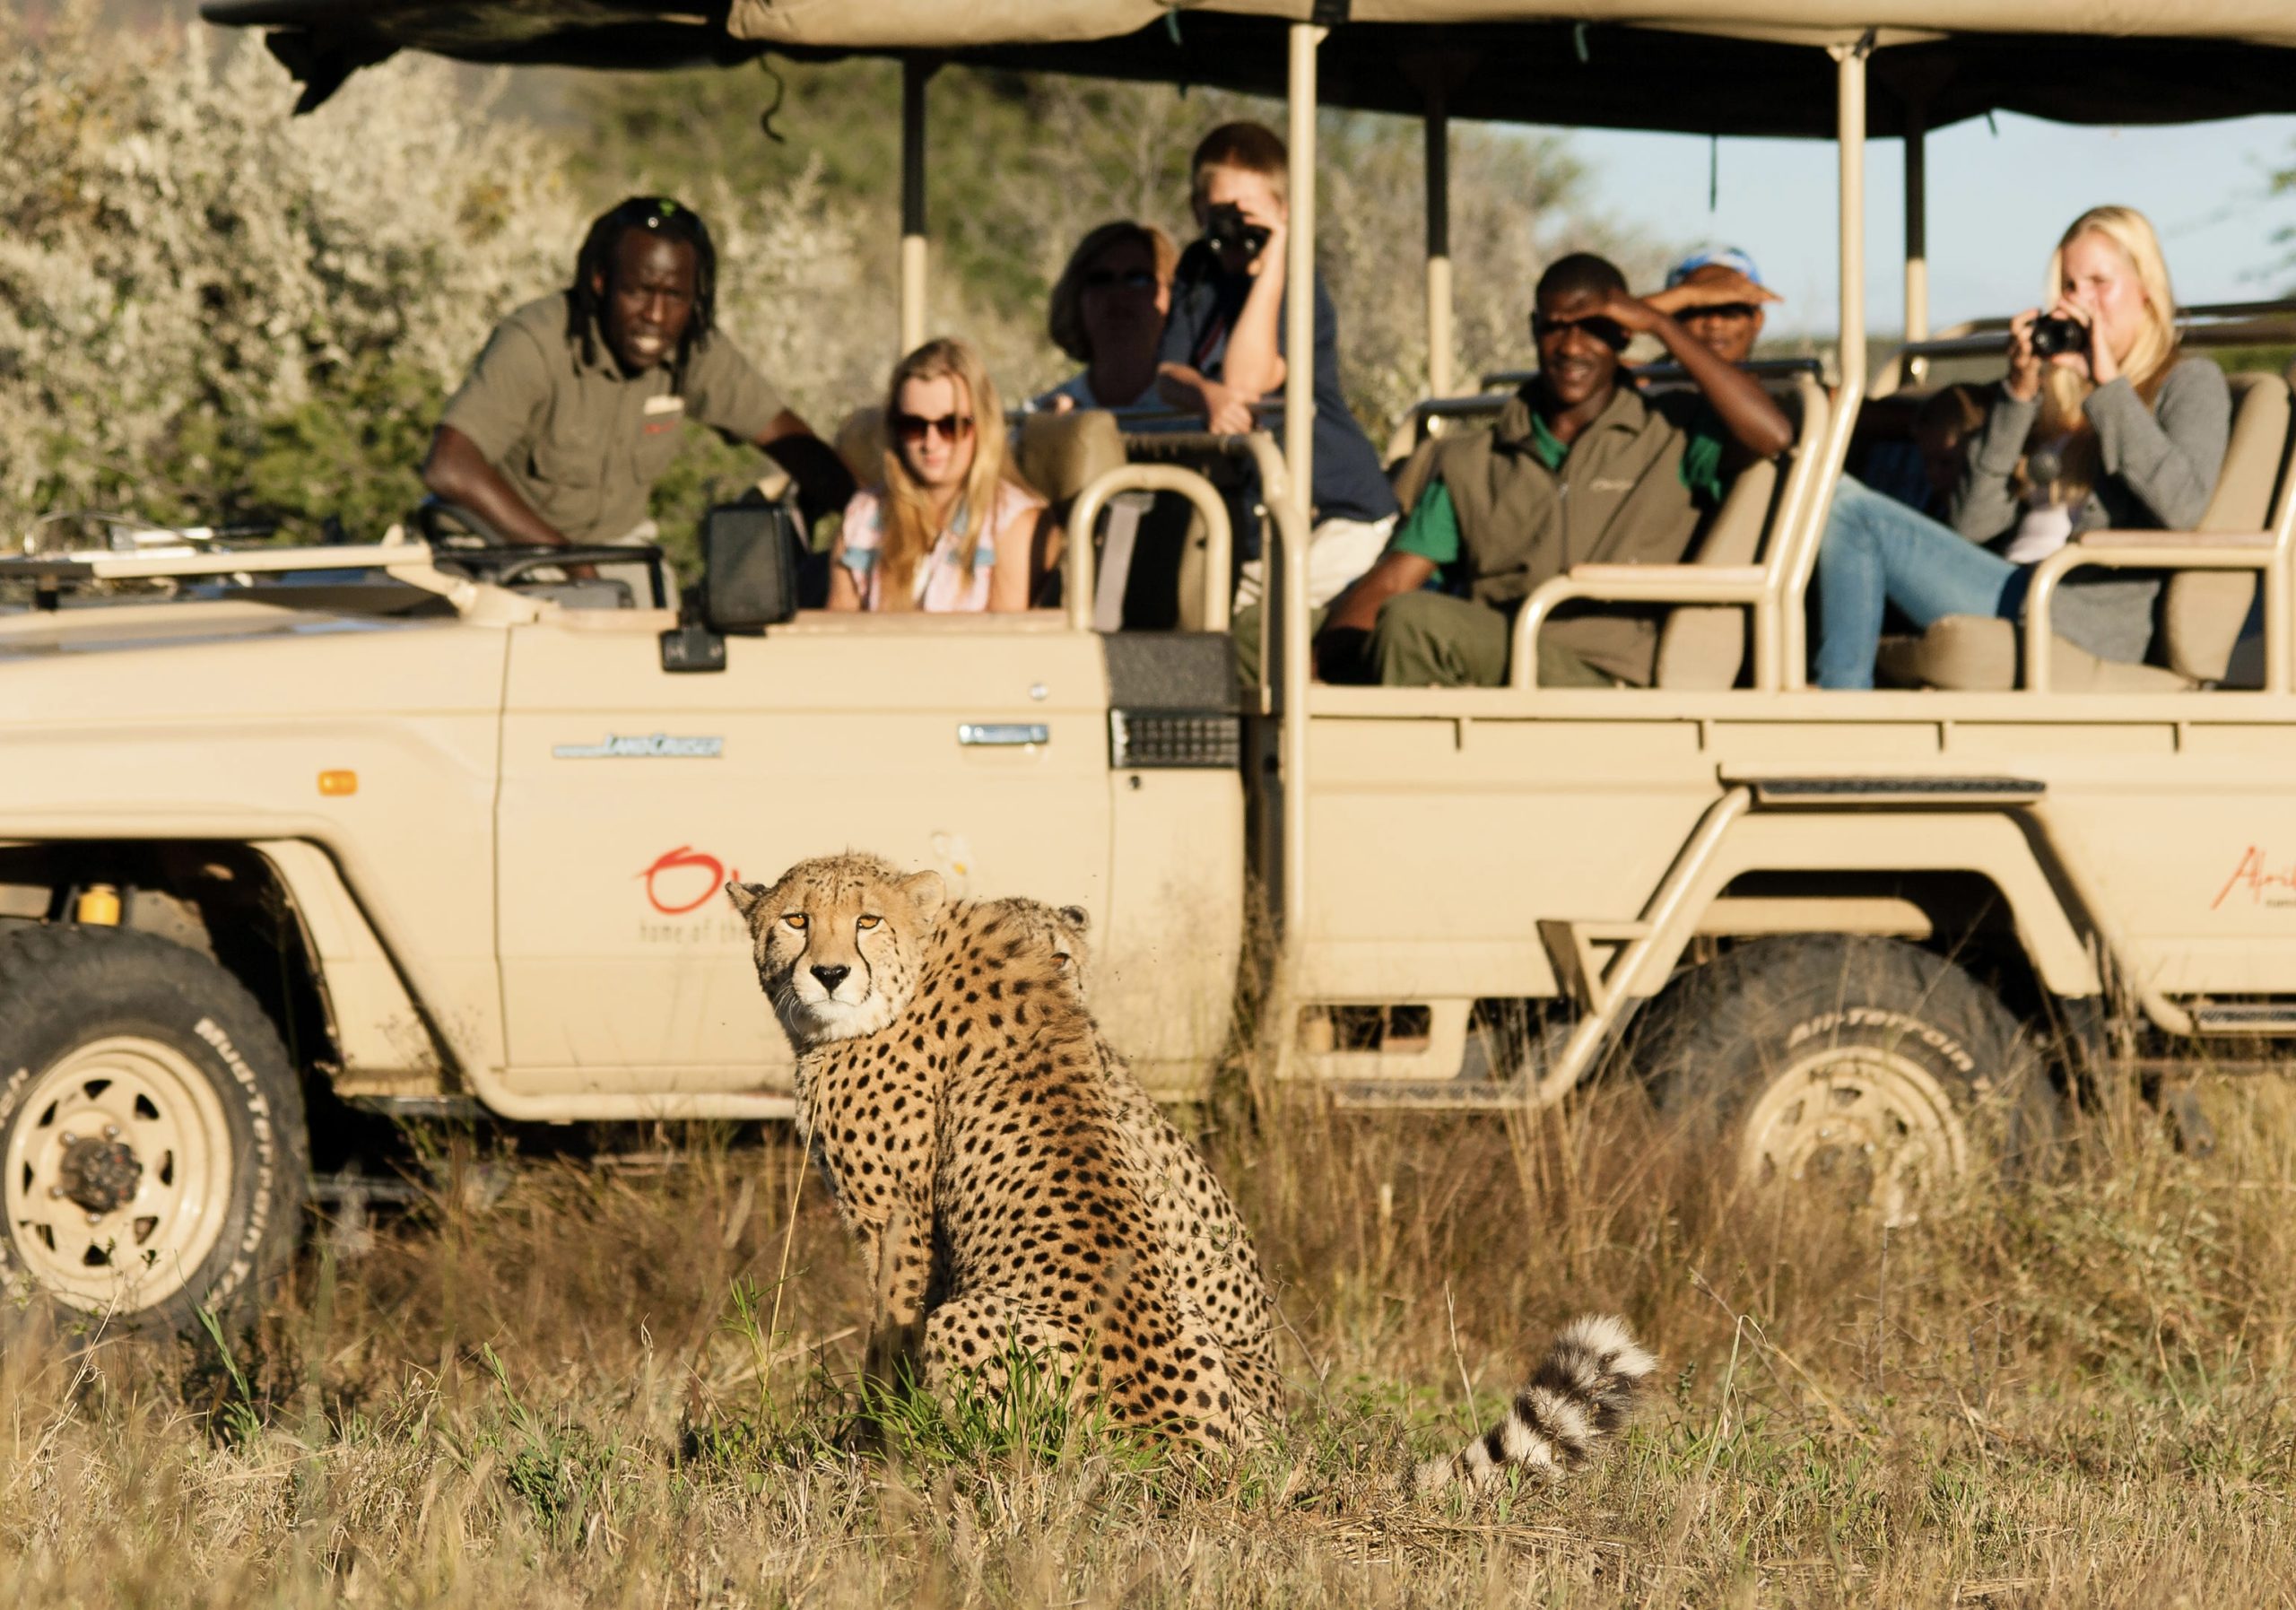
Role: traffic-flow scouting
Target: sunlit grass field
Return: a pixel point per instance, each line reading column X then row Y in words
column 623, row 1378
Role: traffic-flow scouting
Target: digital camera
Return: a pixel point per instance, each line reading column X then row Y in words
column 1225, row 230
column 2054, row 335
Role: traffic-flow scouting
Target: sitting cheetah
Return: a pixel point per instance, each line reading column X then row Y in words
column 995, row 1160
column 1197, row 1220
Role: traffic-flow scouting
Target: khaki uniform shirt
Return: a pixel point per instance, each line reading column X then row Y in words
column 584, row 443
column 1621, row 497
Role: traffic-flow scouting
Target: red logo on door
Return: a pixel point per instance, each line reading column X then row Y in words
column 681, row 872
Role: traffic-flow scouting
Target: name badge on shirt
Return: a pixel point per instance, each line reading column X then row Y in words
column 670, row 404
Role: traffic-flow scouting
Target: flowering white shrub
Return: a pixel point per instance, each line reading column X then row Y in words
column 208, row 305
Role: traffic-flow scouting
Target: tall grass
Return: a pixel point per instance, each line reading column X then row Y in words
column 598, row 1387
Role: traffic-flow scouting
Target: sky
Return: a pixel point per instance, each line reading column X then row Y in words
column 1997, row 203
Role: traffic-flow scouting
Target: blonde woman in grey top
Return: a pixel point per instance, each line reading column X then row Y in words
column 2122, row 432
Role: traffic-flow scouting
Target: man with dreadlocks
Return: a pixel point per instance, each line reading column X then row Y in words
column 573, row 410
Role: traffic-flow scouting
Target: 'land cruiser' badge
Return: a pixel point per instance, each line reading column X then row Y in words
column 654, row 746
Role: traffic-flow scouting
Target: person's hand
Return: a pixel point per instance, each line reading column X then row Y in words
column 1630, row 313
column 2099, row 357
column 1273, row 251
column 1716, row 285
column 2023, row 381
column 1227, row 412
column 1063, row 403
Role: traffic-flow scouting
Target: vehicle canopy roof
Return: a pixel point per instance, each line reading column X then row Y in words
column 1704, row 66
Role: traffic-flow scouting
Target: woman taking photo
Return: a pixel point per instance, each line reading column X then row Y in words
column 951, row 528
column 2114, row 428
column 1108, row 313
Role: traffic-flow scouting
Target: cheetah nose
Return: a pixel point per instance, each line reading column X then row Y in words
column 831, row 977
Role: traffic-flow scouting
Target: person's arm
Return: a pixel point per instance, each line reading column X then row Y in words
column 1254, row 362
column 1009, row 576
column 2171, row 460
column 843, row 579
column 1757, row 424
column 458, row 473
column 1715, row 285
column 1355, row 611
column 1983, row 506
column 1226, row 411
column 824, row 485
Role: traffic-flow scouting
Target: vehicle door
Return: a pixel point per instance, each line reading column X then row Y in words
column 974, row 745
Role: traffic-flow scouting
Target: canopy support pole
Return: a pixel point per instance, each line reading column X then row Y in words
column 1292, row 535
column 915, row 71
column 1916, row 234
column 1850, row 65
column 1439, row 240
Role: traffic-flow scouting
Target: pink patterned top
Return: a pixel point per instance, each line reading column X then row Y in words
column 940, row 584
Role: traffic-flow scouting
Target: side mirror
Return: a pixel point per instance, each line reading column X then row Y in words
column 749, row 567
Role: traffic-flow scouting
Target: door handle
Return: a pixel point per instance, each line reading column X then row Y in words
column 1003, row 733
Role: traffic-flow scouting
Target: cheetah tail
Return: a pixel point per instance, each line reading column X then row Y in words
column 1582, row 1391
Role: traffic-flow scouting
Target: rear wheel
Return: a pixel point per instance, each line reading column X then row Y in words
column 1864, row 1070
column 151, row 1130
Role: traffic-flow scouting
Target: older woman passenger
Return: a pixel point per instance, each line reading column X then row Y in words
column 1108, row 313
column 951, row 527
column 2117, row 428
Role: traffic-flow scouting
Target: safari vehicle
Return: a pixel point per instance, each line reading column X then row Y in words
column 400, row 825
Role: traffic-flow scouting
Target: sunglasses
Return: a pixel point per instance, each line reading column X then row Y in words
column 1609, row 332
column 913, row 428
column 1104, row 279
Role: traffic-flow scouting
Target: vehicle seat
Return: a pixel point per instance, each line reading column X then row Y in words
column 1060, row 455
column 2203, row 613
column 1703, row 645
column 861, row 443
column 2212, row 621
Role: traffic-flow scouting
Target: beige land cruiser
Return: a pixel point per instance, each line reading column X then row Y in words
column 409, row 826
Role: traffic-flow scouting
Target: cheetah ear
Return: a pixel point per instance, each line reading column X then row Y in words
column 927, row 892
column 1076, row 917
column 746, row 896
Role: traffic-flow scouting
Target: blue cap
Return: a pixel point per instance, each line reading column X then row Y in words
column 1725, row 257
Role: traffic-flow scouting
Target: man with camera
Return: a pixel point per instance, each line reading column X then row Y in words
column 1579, row 469
column 1224, row 350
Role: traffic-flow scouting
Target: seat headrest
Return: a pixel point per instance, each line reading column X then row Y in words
column 861, row 443
column 1061, row 453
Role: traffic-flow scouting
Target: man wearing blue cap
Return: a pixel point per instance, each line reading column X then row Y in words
column 1716, row 295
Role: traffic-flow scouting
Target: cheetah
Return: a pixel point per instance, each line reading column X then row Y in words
column 995, row 1160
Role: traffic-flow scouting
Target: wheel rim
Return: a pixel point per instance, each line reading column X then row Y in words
column 1875, row 1126
column 118, row 1174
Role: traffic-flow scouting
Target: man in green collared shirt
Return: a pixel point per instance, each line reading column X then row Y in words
column 575, row 408
column 1579, row 469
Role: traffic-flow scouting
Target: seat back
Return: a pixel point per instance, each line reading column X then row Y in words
column 1704, row 647
column 861, row 443
column 2206, row 614
column 1061, row 453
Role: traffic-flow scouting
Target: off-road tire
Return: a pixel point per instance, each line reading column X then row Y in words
column 167, row 1077
column 1864, row 1067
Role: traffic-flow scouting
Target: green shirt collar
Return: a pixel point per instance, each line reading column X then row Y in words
column 1549, row 449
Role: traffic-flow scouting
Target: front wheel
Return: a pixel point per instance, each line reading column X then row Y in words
column 151, row 1130
column 1866, row 1070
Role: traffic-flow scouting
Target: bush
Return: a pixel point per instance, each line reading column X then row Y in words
column 208, row 307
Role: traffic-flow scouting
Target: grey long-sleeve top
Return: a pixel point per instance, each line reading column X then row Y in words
column 2161, row 465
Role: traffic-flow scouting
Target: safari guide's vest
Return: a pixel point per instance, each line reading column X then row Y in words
column 1618, row 499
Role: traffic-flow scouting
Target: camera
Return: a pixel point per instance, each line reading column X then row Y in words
column 2053, row 336
column 1226, row 229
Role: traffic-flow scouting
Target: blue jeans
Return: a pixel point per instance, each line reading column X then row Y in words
column 1878, row 550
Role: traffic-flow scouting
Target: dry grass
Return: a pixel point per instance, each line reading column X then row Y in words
column 588, row 1390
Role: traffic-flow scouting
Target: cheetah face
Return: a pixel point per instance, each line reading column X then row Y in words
column 1061, row 929
column 838, row 941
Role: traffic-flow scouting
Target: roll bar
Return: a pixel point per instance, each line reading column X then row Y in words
column 1219, row 534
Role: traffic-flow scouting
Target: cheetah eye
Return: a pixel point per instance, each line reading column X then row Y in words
column 795, row 920
column 866, row 923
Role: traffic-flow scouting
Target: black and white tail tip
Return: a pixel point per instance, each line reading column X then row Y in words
column 1582, row 1391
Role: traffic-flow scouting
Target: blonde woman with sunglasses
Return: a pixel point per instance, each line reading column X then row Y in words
column 951, row 528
